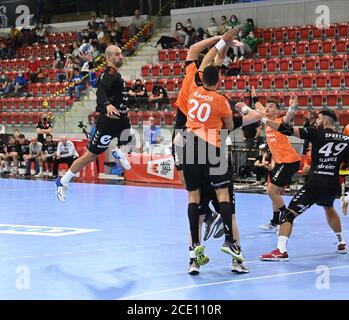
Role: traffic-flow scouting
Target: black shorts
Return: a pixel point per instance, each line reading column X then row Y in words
column 106, row 130
column 198, row 167
column 282, row 174
column 314, row 193
column 181, row 120
column 208, row 194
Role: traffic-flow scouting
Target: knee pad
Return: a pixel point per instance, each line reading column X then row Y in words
column 286, row 216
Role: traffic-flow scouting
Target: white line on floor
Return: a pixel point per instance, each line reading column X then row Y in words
column 226, row 282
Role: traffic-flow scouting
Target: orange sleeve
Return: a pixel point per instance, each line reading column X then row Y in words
column 225, row 109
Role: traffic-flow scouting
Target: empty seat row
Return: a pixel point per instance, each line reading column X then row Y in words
column 20, row 118
column 28, row 104
column 41, row 51
column 165, row 118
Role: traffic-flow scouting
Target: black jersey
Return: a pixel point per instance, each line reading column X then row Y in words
column 111, row 90
column 11, row 147
column 50, row 147
column 329, row 150
column 2, row 147
column 23, row 148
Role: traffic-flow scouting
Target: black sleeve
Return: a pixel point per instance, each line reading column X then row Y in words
column 237, row 121
column 106, row 83
column 310, row 134
column 198, row 80
column 43, row 147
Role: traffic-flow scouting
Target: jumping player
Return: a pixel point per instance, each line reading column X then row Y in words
column 285, row 157
column 112, row 122
column 329, row 149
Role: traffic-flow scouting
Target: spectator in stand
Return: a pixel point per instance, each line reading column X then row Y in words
column 79, row 84
column 14, row 33
column 11, row 45
column 23, row 148
column 262, row 165
column 100, row 34
column 191, row 32
column 107, row 24
column 43, row 127
column 16, row 134
column 177, row 38
column 2, row 155
column 92, row 36
column 137, row 22
column 5, row 84
column 249, row 47
column 115, row 25
column 95, row 53
column 138, row 94
column 75, row 49
column 34, row 155
column 115, row 37
column 234, row 22
column 59, row 59
column 34, row 69
column 11, row 155
column 105, row 40
column 248, row 26
column 158, row 96
column 224, row 26
column 66, row 153
column 92, row 24
column 19, row 84
column 41, row 33
column 68, row 69
column 212, row 29
column 85, row 36
column 48, row 154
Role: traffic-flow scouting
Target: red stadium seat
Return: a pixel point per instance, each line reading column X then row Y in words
column 346, row 80
column 280, row 81
column 171, row 85
column 158, row 115
column 340, row 62
column 345, row 99
column 302, row 47
column 255, row 81
column 343, row 29
column 246, row 66
column 305, row 32
column 178, row 69
column 24, row 118
column 285, row 64
column 317, row 33
column 328, row 46
column 146, row 70
column 332, row 99
column 163, row 55
column 325, row 63
column 259, row 65
column 272, row 65
column 169, row 117
column 264, row 50
column 332, row 30
column 11, row 64
column 293, row 81
column 179, row 83
column 336, row 80
column 289, row 48
column 311, row 63
column 182, row 54
column 317, row 99
column 242, row 82
column 35, row 51
column 303, row 98
column 344, row 117
column 268, row 82
column 279, row 34
column 149, row 85
column 172, row 55
column 292, row 33
column 298, row 64
column 267, row 34
column 314, row 47
column 342, row 45
column 166, row 70
column 229, row 83
column 156, row 69
column 322, row 80
column 276, row 49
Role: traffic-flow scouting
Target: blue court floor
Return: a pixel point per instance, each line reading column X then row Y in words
column 123, row 242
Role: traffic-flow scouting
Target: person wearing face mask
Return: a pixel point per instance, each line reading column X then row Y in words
column 249, row 46
column 191, row 32
column 224, row 26
column 43, row 127
column 212, row 29
column 248, row 26
column 233, row 22
column 169, row 40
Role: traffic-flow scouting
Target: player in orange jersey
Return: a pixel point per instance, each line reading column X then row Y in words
column 285, row 157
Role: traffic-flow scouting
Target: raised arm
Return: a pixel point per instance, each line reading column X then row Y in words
column 291, row 109
column 249, row 115
column 197, row 48
column 283, row 128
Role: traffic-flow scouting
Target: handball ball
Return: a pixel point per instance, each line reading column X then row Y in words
column 85, row 48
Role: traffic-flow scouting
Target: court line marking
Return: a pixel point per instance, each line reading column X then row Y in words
column 225, row 282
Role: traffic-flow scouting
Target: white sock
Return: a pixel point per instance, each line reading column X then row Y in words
column 192, row 254
column 282, row 243
column 340, row 238
column 67, row 177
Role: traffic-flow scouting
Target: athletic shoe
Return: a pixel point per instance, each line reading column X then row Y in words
column 344, row 203
column 342, row 248
column 220, row 230
column 233, row 250
column 211, row 225
column 275, row 255
column 60, row 190
column 194, row 267
column 239, row 267
column 199, row 251
column 269, row 227
column 121, row 159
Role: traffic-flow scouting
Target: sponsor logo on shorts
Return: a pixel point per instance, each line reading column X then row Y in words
column 162, row 168
column 105, row 139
